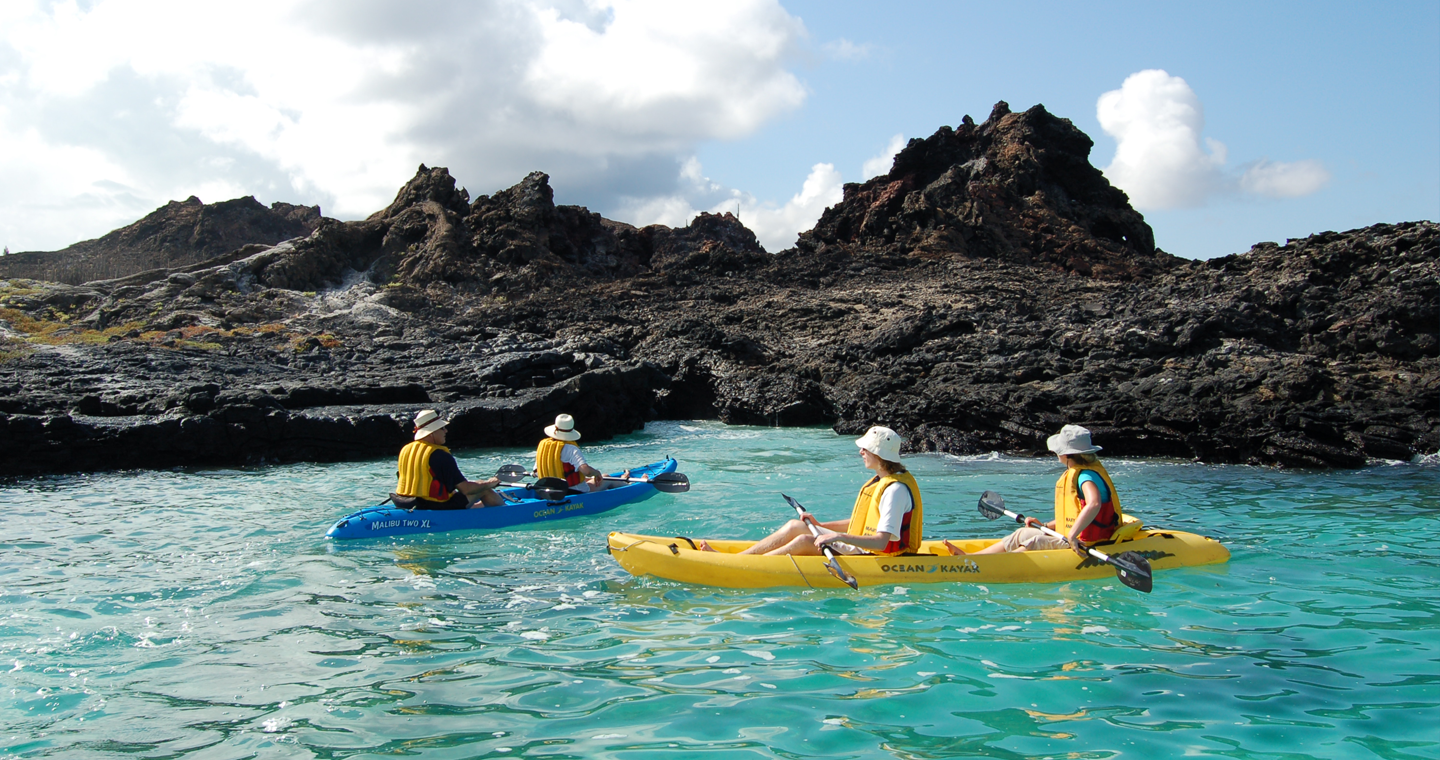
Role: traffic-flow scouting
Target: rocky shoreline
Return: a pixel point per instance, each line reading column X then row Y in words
column 990, row 288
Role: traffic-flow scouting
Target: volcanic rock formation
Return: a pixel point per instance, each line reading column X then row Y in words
column 176, row 234
column 990, row 288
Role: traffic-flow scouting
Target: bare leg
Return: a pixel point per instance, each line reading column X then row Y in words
column 799, row 545
column 954, row 550
column 787, row 533
column 487, row 498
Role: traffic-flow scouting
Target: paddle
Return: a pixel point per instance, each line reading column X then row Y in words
column 512, row 473
column 1132, row 569
column 668, row 482
column 831, row 562
column 665, row 482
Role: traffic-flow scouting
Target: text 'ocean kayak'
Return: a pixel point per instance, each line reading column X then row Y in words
column 384, row 521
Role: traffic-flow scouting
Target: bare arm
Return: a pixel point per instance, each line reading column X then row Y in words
column 1086, row 516
column 873, row 541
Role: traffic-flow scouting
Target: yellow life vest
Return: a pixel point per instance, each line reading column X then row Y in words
column 1070, row 500
column 548, row 464
column 416, row 479
column 865, row 518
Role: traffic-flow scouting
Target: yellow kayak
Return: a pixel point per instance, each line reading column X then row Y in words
column 677, row 559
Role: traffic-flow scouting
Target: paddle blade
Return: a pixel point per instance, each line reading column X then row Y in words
column 550, row 484
column 511, row 473
column 992, row 505
column 793, row 503
column 551, row 494
column 833, row 565
column 670, row 482
column 1133, row 570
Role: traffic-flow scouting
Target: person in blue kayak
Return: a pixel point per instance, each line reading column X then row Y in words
column 886, row 520
column 1087, row 506
column 429, row 476
column 557, row 456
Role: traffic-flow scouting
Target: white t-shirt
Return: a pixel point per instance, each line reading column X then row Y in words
column 570, row 454
column 894, row 503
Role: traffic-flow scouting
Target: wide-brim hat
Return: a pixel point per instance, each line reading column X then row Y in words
column 427, row 422
column 563, row 429
column 1072, row 439
column 882, row 442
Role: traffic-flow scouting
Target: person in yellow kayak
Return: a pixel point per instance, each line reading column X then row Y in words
column 558, row 457
column 1087, row 506
column 887, row 518
column 429, row 476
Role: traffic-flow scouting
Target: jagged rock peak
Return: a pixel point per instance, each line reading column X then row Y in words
column 1018, row 187
column 435, row 185
column 725, row 228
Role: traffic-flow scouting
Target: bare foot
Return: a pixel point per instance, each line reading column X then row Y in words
column 954, row 550
column 704, row 546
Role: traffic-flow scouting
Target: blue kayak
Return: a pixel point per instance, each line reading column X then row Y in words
column 383, row 521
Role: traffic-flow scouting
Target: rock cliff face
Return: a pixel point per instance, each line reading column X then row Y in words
column 176, row 234
column 991, row 288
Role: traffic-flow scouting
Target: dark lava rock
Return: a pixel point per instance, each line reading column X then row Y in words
column 989, row 289
column 1018, row 187
column 174, row 235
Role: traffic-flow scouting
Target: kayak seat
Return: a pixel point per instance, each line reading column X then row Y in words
column 1130, row 526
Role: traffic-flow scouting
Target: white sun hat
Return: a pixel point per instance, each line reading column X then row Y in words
column 882, row 442
column 563, row 429
column 1072, row 439
column 427, row 422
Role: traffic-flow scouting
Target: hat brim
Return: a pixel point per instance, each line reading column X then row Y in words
column 887, row 456
column 430, row 428
column 561, row 435
column 1055, row 445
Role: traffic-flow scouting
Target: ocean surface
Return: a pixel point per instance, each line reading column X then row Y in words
column 202, row 613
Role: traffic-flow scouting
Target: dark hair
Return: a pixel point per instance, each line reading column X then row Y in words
column 1085, row 458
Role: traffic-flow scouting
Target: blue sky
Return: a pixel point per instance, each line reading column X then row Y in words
column 1294, row 118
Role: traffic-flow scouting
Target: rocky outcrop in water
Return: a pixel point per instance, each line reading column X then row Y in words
column 989, row 289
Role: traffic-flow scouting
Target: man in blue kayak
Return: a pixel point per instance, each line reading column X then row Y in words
column 430, row 477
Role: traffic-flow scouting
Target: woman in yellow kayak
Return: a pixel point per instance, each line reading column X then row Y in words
column 887, row 518
column 1087, row 507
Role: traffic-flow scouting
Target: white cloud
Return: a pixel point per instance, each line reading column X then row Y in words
column 776, row 227
column 1156, row 119
column 1284, row 180
column 1157, row 122
column 846, row 50
column 338, row 102
column 874, row 167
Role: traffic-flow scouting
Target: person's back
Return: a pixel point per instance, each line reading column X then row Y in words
column 557, row 456
column 428, row 477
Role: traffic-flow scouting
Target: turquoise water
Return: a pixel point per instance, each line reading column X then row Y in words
column 203, row 613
